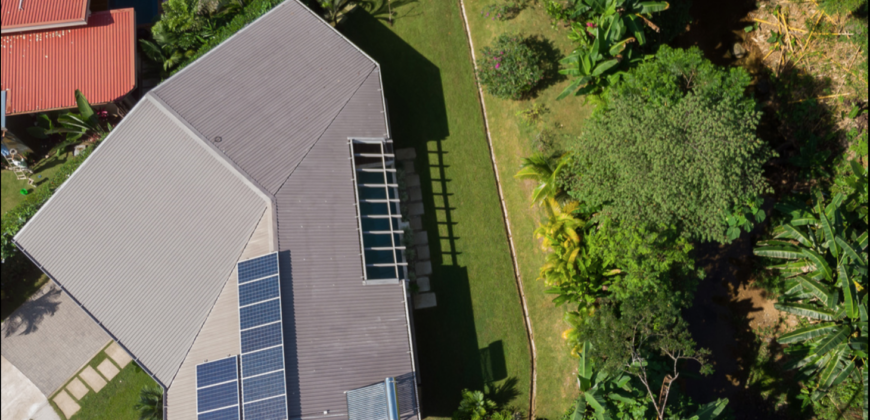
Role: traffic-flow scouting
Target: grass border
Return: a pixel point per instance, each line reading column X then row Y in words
column 506, row 219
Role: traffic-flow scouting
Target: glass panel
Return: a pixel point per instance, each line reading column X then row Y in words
column 379, row 257
column 217, row 396
column 370, row 193
column 369, row 224
column 372, row 240
column 372, row 208
column 374, row 273
column 369, row 177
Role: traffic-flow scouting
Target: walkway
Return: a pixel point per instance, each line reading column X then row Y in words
column 90, row 379
column 50, row 338
column 20, row 399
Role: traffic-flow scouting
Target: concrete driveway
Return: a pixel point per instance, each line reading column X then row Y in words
column 20, row 399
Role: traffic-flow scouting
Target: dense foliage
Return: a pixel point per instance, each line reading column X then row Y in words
column 825, row 246
column 510, row 68
column 476, row 406
column 150, row 404
column 86, row 125
column 608, row 34
column 675, row 146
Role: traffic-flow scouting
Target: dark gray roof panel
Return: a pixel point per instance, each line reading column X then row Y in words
column 270, row 90
column 346, row 335
column 146, row 233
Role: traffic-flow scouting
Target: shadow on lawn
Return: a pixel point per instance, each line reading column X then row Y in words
column 450, row 356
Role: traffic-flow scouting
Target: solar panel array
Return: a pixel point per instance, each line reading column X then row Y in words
column 377, row 194
column 217, row 390
column 264, row 395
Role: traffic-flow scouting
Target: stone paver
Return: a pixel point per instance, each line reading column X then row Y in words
column 416, row 194
column 50, row 338
column 407, row 153
column 77, row 388
column 423, row 268
column 117, row 353
column 408, row 166
column 93, row 379
column 20, row 398
column 421, row 238
column 108, row 369
column 423, row 252
column 416, row 223
column 412, row 181
column 423, row 284
column 66, row 404
column 416, row 209
column 425, row 300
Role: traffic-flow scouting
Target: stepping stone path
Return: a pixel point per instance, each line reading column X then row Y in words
column 424, row 298
column 77, row 388
column 91, row 379
column 66, row 404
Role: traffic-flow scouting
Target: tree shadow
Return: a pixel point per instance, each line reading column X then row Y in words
column 715, row 28
column 27, row 318
column 551, row 57
column 386, row 10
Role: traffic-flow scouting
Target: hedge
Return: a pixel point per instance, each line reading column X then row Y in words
column 14, row 219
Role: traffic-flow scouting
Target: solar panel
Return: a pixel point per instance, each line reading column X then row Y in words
column 260, row 314
column 258, row 291
column 377, row 200
column 258, row 268
column 262, row 338
column 270, row 409
column 217, row 390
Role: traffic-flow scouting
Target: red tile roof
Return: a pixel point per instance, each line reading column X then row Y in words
column 22, row 15
column 41, row 70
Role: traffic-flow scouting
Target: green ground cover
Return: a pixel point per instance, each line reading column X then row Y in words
column 476, row 333
column 116, row 400
column 10, row 187
column 556, row 369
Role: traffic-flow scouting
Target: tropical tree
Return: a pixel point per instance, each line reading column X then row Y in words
column 475, row 406
column 671, row 150
column 150, row 404
column 609, row 34
column 825, row 248
column 606, row 396
column 643, row 336
column 546, row 172
column 184, row 27
column 332, row 9
column 86, row 125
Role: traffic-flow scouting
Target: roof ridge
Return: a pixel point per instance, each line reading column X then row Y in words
column 325, row 129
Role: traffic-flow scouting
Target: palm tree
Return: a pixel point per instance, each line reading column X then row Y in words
column 150, row 405
column 545, row 171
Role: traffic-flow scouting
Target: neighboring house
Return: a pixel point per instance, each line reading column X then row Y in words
column 271, row 154
column 50, row 48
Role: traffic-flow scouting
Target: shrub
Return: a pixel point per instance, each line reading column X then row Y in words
column 675, row 146
column 510, row 68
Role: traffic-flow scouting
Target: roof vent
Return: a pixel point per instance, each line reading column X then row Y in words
column 218, row 139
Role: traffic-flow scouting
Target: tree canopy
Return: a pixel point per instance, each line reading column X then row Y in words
column 674, row 146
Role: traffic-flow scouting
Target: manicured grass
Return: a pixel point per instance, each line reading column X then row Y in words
column 556, row 369
column 116, row 400
column 10, row 187
column 476, row 333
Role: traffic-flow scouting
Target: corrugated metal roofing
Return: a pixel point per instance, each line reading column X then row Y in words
column 347, row 335
column 145, row 234
column 285, row 94
column 280, row 85
column 42, row 70
column 25, row 15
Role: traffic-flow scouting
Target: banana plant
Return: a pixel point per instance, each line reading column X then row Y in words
column 607, row 32
column 826, row 279
column 74, row 126
column 599, row 391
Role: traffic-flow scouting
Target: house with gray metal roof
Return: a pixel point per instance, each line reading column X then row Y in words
column 275, row 146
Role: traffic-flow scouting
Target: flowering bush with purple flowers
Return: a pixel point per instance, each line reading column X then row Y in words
column 510, row 68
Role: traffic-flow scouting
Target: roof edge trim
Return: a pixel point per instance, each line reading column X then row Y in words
column 76, row 172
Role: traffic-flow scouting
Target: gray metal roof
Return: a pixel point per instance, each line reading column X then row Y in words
column 270, row 90
column 145, row 234
column 284, row 94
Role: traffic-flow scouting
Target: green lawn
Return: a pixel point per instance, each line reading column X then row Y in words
column 556, row 369
column 115, row 401
column 10, row 187
column 476, row 333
